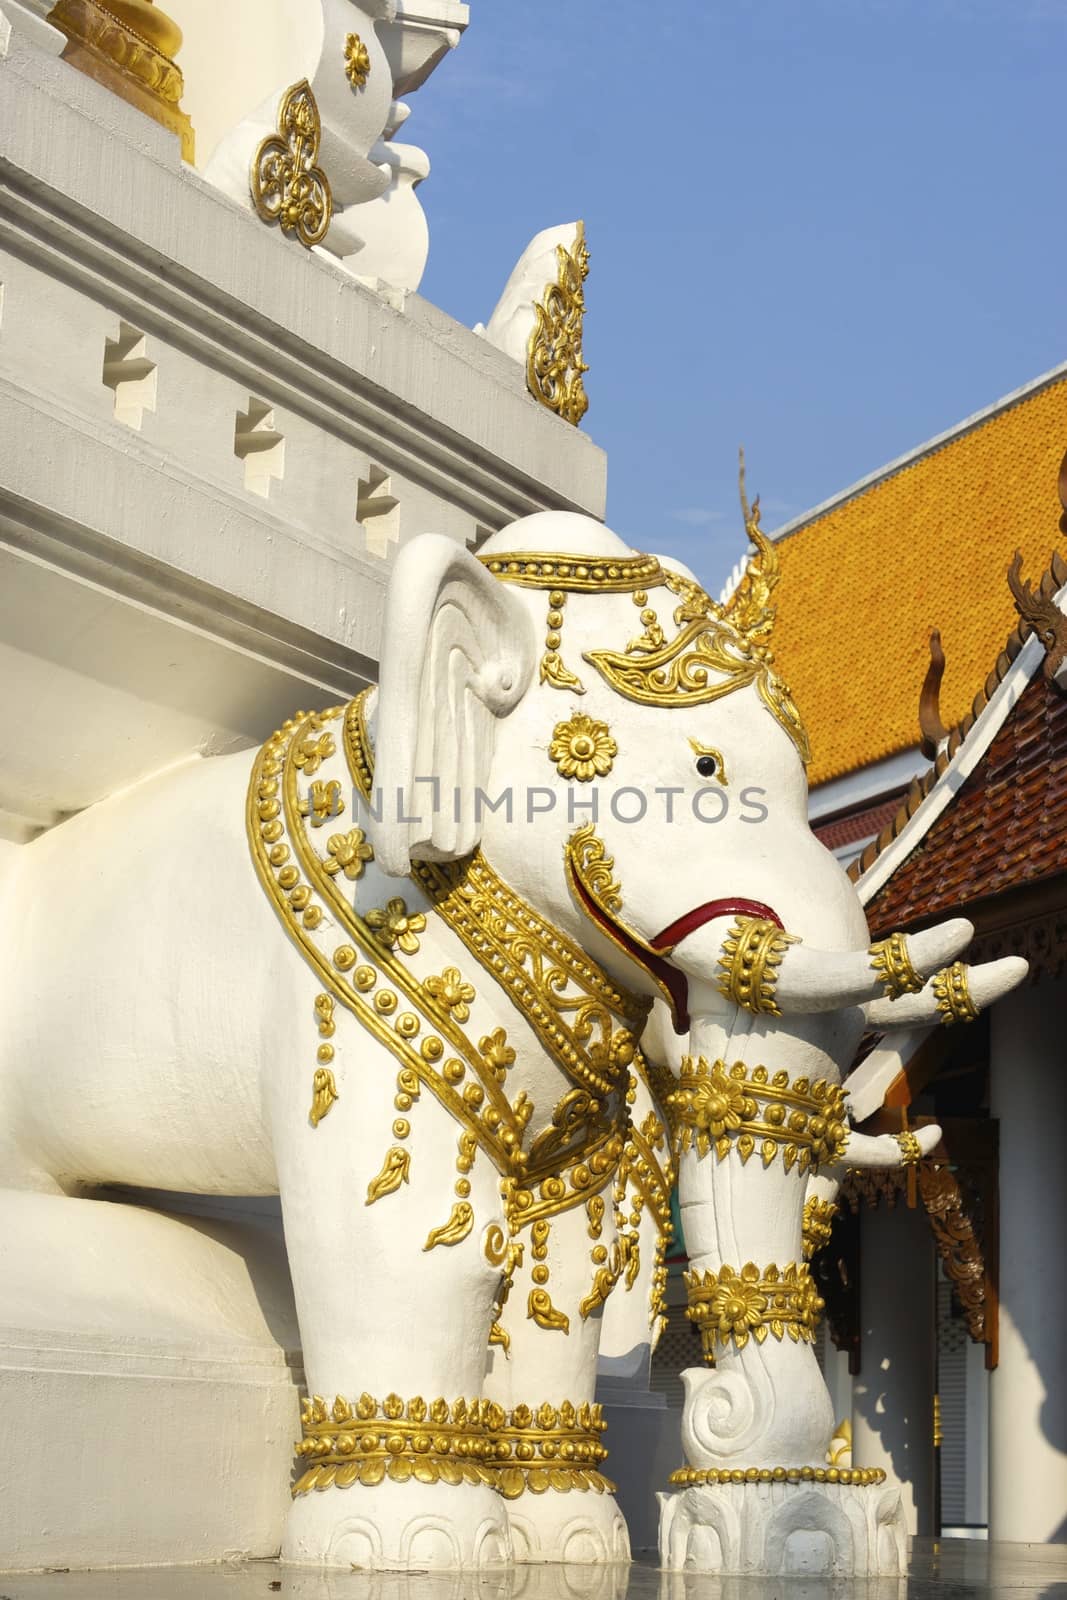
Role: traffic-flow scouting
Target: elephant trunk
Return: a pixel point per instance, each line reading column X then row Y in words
column 764, row 1402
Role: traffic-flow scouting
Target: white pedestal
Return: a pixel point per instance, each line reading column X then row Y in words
column 785, row 1529
column 149, row 1406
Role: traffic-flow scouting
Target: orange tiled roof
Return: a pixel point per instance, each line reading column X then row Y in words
column 865, row 582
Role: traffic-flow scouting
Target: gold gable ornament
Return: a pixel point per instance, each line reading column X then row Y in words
column 554, row 364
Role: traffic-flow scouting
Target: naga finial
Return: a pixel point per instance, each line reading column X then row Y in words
column 749, row 607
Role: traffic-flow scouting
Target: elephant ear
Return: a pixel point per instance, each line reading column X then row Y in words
column 458, row 654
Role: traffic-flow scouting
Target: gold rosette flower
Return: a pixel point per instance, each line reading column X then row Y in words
column 451, row 992
column 582, row 748
column 496, row 1052
column 396, row 926
column 738, row 1305
column 348, row 853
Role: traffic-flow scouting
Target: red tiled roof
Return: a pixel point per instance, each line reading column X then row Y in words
column 858, row 825
column 1006, row 827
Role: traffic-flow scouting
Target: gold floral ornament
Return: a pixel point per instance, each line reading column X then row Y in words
column 892, row 965
column 348, row 853
column 716, row 1105
column 396, row 927
column 554, row 364
column 452, row 992
column 497, row 1053
column 582, row 748
column 287, row 186
column 357, row 61
column 730, row 1306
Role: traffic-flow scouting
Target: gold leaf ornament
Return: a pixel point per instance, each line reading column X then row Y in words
column 554, row 364
column 323, row 1095
column 539, row 1309
column 459, row 1224
column 287, row 185
column 396, row 1169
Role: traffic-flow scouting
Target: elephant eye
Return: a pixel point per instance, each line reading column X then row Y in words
column 709, row 762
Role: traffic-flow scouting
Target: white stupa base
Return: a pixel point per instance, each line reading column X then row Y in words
column 782, row 1529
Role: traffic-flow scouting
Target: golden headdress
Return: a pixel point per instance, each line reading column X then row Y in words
column 716, row 650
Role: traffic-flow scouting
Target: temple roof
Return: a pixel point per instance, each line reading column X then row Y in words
column 991, row 813
column 923, row 544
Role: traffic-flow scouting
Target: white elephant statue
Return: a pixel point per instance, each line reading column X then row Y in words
column 579, row 787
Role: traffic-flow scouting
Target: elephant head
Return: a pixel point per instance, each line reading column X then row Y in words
column 627, row 756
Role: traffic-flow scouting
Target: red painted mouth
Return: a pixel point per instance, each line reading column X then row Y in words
column 692, row 920
column 672, row 982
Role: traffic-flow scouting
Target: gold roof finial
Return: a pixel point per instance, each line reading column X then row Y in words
column 749, row 608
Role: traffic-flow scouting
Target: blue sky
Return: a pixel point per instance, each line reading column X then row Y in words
column 826, row 229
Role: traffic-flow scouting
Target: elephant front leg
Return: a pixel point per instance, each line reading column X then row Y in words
column 552, row 1451
column 395, row 1300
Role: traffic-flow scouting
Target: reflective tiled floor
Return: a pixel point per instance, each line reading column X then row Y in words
column 950, row 1569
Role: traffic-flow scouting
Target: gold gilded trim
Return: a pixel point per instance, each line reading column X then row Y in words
column 459, row 1224
column 551, row 1448
column 732, row 1305
column 817, row 1225
column 891, row 963
column 910, row 1149
column 953, row 995
column 721, row 1108
column 577, row 574
column 752, row 952
column 367, row 1440
column 856, row 1477
column 396, row 1169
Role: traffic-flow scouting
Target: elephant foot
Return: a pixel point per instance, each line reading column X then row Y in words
column 395, row 1527
column 581, row 1528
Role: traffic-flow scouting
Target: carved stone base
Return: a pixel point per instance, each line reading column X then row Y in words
column 779, row 1529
